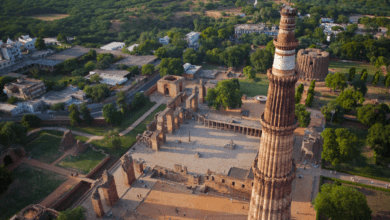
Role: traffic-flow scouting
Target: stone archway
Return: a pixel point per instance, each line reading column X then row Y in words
column 8, row 160
column 166, row 91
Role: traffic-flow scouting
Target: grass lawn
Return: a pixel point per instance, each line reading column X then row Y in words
column 56, row 133
column 83, row 163
column 257, row 86
column 127, row 121
column 343, row 67
column 45, row 148
column 364, row 163
column 31, row 185
column 378, row 201
column 210, row 67
column 130, row 138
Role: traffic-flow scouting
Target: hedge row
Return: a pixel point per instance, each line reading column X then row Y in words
column 310, row 94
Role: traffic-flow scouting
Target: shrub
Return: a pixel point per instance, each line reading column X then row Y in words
column 58, row 106
column 30, row 121
column 309, row 99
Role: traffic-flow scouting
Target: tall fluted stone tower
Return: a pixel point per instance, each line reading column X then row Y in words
column 274, row 168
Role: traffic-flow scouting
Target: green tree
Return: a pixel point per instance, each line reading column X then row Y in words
column 89, row 66
column 360, row 86
column 191, row 56
column 74, row 114
column 352, row 49
column 58, row 106
column 342, row 203
column 375, row 80
column 351, row 75
column 138, row 101
column 213, row 56
column 387, row 83
column 303, row 115
column 209, row 32
column 178, row 40
column 223, row 33
column 6, row 179
column 103, row 64
column 121, row 101
column 336, row 81
column 61, row 38
column 226, row 94
column 70, row 65
column 12, row 100
column 378, row 139
column 97, row 92
column 371, row 114
column 339, row 145
column 40, row 43
column 134, row 70
column 261, row 60
column 309, row 99
column 96, row 78
column 249, row 72
column 73, row 214
column 12, row 133
column 86, row 114
column 364, row 75
column 161, row 53
column 381, row 61
column 30, row 121
column 338, row 116
column 349, row 99
column 235, row 55
column 147, row 69
column 111, row 115
column 271, row 47
column 171, row 66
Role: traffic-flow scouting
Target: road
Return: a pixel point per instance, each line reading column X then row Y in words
column 96, row 109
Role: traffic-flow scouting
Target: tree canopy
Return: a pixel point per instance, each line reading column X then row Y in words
column 371, row 114
column 336, row 81
column 111, row 115
column 349, row 99
column 339, row 145
column 12, row 133
column 338, row 116
column 72, row 214
column 342, row 203
column 6, row 179
column 191, row 56
column 147, row 69
column 261, row 60
column 97, row 92
column 226, row 94
column 30, row 121
column 378, row 139
column 171, row 66
column 303, row 115
column 249, row 72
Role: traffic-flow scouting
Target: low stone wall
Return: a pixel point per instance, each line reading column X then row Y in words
column 229, row 185
column 98, row 167
column 69, row 194
column 151, row 90
column 179, row 174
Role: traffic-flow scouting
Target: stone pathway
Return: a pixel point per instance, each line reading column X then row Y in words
column 165, row 99
column 59, row 192
column 49, row 167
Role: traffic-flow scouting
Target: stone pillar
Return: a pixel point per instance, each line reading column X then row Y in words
column 139, row 166
column 177, row 122
column 181, row 115
column 109, row 189
column 161, row 127
column 202, row 91
column 170, row 122
column 155, row 140
column 128, row 169
column 97, row 203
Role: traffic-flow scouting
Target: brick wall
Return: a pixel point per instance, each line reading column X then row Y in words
column 229, row 185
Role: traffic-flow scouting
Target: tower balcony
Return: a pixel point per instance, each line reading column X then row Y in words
column 286, row 45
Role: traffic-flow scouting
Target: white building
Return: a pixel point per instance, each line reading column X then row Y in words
column 192, row 39
column 164, row 40
column 113, row 46
column 327, row 20
column 131, row 47
column 110, row 77
column 328, row 28
column 27, row 42
column 29, row 107
column 190, row 71
column 51, row 41
column 9, row 53
column 260, row 28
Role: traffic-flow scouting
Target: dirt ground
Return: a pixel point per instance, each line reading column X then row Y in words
column 300, row 207
column 50, row 17
column 164, row 199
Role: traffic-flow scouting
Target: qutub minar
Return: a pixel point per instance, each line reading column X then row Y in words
column 274, row 167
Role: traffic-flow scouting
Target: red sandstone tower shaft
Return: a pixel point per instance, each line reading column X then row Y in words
column 274, row 169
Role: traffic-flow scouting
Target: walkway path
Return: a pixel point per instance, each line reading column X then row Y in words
column 165, row 99
column 59, row 192
column 48, row 167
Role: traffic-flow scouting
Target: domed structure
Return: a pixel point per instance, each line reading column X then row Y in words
column 312, row 64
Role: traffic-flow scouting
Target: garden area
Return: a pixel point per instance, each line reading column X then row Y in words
column 377, row 200
column 82, row 163
column 257, row 86
column 130, row 138
column 129, row 119
column 364, row 164
column 30, row 186
column 343, row 67
column 45, row 148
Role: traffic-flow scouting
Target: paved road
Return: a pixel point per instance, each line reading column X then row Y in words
column 96, row 111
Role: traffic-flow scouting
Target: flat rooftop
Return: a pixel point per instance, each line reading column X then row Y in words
column 138, row 60
column 113, row 46
column 73, row 52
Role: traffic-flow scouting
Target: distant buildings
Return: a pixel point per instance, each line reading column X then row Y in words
column 10, row 51
column 164, row 40
column 27, row 42
column 190, row 71
column 25, row 88
column 51, row 41
column 328, row 28
column 260, row 28
column 327, row 20
column 113, row 46
column 111, row 77
column 192, row 39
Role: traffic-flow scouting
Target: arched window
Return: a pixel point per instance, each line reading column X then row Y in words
column 212, row 178
column 233, row 183
column 243, row 186
column 223, row 181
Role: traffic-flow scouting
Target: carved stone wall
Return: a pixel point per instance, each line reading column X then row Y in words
column 177, row 100
column 109, row 189
column 312, row 64
column 128, row 170
column 192, row 101
column 178, row 174
column 139, row 166
column 229, row 185
column 68, row 141
column 97, row 203
column 80, row 148
column 171, row 85
column 36, row 212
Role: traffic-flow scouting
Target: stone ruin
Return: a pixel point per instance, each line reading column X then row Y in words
column 178, row 174
column 11, row 155
column 169, row 120
column 312, row 64
column 97, row 203
column 127, row 168
column 68, row 142
column 171, row 85
column 311, row 144
column 109, row 189
column 36, row 212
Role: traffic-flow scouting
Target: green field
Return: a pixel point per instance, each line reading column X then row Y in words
column 210, row 67
column 127, row 121
column 257, row 86
column 364, row 163
column 83, row 163
column 45, row 148
column 343, row 67
column 31, row 185
column 130, row 138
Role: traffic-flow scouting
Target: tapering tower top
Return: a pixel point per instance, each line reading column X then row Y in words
column 285, row 43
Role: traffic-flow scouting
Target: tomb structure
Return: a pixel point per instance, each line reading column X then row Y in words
column 171, row 85
column 312, row 64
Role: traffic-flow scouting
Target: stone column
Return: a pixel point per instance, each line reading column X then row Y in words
column 109, row 189
column 97, row 203
column 139, row 166
column 128, row 170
